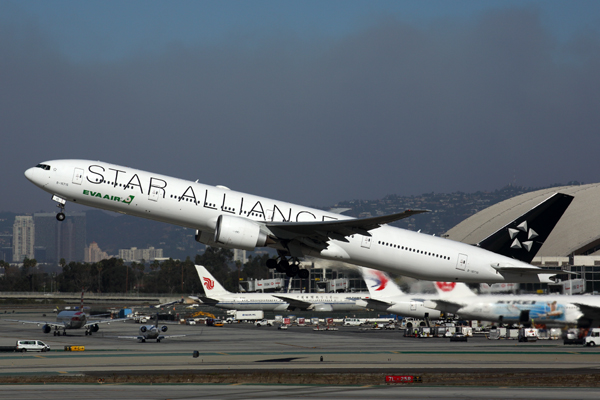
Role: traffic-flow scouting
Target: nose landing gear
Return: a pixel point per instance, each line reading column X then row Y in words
column 60, row 204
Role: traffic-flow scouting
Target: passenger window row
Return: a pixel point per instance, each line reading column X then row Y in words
column 397, row 246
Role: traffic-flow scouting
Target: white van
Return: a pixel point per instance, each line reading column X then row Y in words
column 32, row 345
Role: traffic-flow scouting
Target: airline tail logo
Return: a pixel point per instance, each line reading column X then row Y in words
column 380, row 279
column 209, row 283
column 445, row 286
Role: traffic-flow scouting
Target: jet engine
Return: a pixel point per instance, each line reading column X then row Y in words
column 46, row 328
column 143, row 329
column 163, row 328
column 94, row 328
column 239, row 233
column 323, row 308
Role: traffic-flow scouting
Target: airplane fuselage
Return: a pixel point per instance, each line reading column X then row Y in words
column 198, row 206
column 71, row 319
column 267, row 302
column 550, row 310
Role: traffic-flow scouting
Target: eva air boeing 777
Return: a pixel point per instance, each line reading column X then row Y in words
column 230, row 219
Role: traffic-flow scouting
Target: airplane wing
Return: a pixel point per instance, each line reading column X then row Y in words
column 316, row 234
column 52, row 324
column 443, row 305
column 206, row 300
column 376, row 304
column 526, row 270
column 142, row 337
column 105, row 321
column 295, row 303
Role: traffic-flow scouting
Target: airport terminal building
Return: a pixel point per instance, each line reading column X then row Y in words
column 573, row 245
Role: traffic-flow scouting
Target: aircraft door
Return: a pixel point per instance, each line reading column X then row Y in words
column 78, row 176
column 154, row 193
column 366, row 242
column 413, row 306
column 461, row 264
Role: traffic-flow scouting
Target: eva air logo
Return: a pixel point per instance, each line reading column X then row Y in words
column 523, row 233
column 118, row 199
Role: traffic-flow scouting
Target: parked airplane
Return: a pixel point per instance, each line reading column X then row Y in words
column 386, row 296
column 70, row 320
column 550, row 310
column 229, row 219
column 218, row 296
column 151, row 332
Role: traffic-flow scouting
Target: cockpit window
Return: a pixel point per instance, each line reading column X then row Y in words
column 43, row 166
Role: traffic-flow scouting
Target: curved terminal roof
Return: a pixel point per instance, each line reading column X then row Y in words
column 577, row 232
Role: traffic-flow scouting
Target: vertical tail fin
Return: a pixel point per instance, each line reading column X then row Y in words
column 522, row 238
column 449, row 290
column 211, row 285
column 379, row 283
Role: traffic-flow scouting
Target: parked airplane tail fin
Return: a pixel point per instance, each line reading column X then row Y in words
column 379, row 283
column 211, row 285
column 447, row 290
column 522, row 238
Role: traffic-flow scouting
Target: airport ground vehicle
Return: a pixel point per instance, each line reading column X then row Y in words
column 262, row 322
column 190, row 321
column 31, row 345
column 458, row 337
column 593, row 339
column 528, row 335
column 237, row 316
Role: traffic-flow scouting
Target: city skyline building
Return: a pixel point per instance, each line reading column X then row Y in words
column 137, row 255
column 23, row 238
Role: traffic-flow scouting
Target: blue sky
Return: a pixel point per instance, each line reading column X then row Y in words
column 312, row 102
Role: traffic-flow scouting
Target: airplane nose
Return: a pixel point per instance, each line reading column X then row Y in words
column 29, row 174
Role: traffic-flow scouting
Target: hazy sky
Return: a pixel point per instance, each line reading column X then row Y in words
column 312, row 102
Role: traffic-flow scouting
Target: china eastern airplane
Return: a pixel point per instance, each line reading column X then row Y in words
column 235, row 220
column 217, row 296
column 386, row 296
column 70, row 320
column 550, row 310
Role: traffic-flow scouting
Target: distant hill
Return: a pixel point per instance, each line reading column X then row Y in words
column 114, row 231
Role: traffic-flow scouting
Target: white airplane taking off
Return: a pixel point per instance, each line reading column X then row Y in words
column 218, row 296
column 386, row 296
column 229, row 219
column 550, row 310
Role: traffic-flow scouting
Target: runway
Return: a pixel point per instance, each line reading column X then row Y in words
column 245, row 354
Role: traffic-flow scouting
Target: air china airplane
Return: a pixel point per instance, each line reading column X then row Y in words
column 386, row 296
column 550, row 310
column 230, row 219
column 218, row 296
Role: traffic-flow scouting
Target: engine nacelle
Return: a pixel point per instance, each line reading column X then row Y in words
column 239, row 233
column 46, row 328
column 164, row 328
column 323, row 308
column 143, row 329
column 94, row 328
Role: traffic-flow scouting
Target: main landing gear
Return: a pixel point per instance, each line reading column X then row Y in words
column 60, row 204
column 291, row 269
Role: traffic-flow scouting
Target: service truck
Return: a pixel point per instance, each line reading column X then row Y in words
column 246, row 316
column 593, row 338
